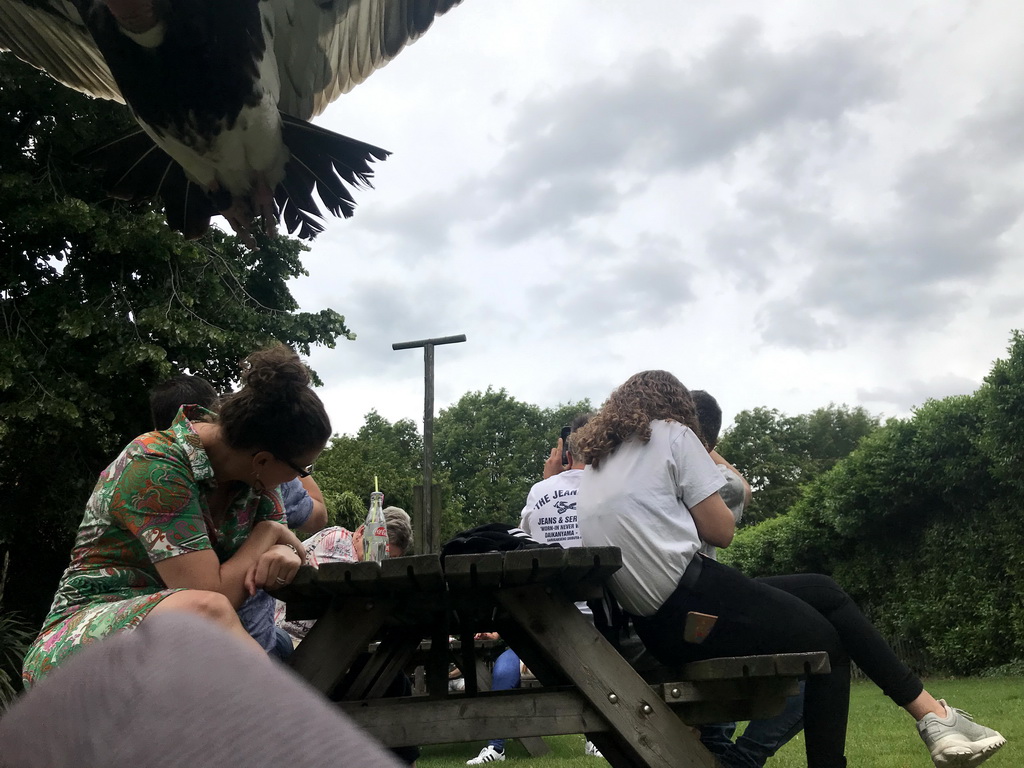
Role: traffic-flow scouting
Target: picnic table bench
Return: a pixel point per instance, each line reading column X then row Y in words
column 528, row 597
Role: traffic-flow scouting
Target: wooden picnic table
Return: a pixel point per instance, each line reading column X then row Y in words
column 528, row 597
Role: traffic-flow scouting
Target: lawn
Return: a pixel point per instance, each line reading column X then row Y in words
column 881, row 735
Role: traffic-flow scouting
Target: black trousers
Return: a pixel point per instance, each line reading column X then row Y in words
column 784, row 614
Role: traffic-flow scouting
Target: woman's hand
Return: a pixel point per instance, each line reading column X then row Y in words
column 286, row 537
column 274, row 568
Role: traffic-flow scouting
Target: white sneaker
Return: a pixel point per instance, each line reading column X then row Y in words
column 487, row 755
column 956, row 740
column 591, row 750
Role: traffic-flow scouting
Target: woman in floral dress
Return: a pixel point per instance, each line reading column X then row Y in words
column 186, row 519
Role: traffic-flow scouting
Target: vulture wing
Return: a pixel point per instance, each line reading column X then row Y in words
column 50, row 35
column 325, row 48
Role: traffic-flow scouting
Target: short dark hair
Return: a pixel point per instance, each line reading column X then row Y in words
column 579, row 421
column 166, row 398
column 709, row 416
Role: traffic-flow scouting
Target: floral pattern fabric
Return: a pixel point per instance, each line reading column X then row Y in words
column 150, row 504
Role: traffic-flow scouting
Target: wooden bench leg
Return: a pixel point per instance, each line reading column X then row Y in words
column 535, row 745
column 643, row 729
column 336, row 640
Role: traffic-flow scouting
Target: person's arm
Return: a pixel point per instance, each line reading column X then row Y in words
column 698, row 480
column 318, row 517
column 747, row 492
column 264, row 557
column 714, row 521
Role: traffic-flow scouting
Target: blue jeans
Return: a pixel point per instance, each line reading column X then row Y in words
column 761, row 740
column 504, row 677
column 282, row 645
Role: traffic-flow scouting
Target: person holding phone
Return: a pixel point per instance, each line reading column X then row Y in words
column 549, row 517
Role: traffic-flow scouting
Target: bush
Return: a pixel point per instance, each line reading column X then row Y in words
column 921, row 525
column 15, row 636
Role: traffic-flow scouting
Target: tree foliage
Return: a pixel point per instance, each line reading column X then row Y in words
column 779, row 454
column 99, row 300
column 489, row 448
column 493, row 448
column 921, row 524
column 390, row 452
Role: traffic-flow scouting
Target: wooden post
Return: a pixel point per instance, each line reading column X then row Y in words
column 431, row 527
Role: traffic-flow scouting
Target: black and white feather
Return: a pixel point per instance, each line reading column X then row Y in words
column 223, row 91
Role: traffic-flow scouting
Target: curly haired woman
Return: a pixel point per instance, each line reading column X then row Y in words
column 651, row 490
column 185, row 519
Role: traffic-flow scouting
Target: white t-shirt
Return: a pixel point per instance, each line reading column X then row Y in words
column 639, row 501
column 550, row 512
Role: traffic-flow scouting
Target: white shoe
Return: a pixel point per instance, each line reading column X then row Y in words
column 591, row 750
column 487, row 755
column 956, row 740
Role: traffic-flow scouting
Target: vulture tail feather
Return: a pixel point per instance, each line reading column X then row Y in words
column 324, row 160
column 135, row 169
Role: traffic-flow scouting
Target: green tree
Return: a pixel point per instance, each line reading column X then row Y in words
column 920, row 524
column 493, row 448
column 779, row 454
column 1001, row 399
column 99, row 300
column 345, row 472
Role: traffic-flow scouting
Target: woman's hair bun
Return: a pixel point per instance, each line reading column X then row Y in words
column 274, row 373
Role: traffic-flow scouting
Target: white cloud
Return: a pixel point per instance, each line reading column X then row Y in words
column 814, row 204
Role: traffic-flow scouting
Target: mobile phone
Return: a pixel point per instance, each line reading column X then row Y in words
column 698, row 626
column 566, row 431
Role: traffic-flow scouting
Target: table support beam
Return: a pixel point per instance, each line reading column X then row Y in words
column 643, row 727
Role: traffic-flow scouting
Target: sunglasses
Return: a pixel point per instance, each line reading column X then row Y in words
column 305, row 471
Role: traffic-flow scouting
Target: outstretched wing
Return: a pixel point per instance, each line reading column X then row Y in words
column 324, row 48
column 50, row 35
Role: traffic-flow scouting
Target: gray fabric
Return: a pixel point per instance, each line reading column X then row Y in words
column 178, row 693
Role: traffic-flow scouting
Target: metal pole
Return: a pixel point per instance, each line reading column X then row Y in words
column 431, row 527
column 428, row 432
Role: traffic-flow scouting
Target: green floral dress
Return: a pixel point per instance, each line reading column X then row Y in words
column 148, row 505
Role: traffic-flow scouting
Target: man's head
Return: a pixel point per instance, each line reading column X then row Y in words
column 166, row 399
column 577, row 423
column 709, row 416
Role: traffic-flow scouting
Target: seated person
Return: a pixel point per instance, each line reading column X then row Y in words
column 167, row 397
column 762, row 738
column 303, row 503
column 651, row 489
column 549, row 517
column 187, row 519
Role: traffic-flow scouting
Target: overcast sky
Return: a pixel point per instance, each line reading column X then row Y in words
column 785, row 204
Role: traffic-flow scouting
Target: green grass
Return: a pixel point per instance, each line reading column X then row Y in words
column 881, row 735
